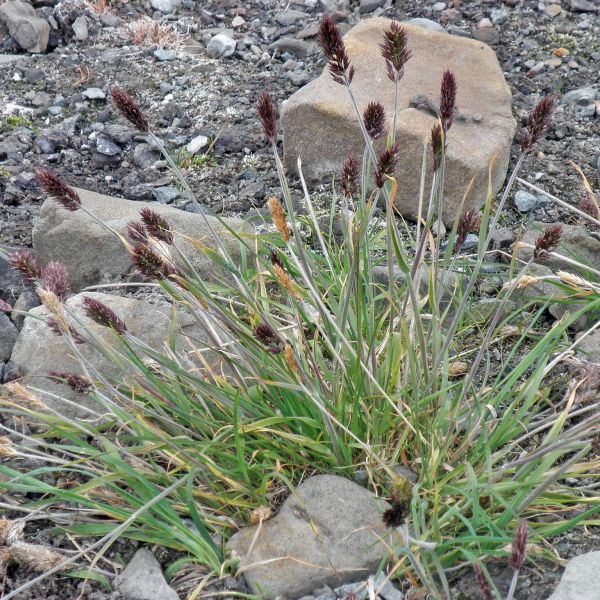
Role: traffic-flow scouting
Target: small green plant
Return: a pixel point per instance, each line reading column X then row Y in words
column 335, row 353
column 12, row 122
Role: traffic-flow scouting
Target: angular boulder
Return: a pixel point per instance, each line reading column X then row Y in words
column 24, row 26
column 328, row 532
column 143, row 579
column 38, row 350
column 580, row 580
column 320, row 125
column 89, row 250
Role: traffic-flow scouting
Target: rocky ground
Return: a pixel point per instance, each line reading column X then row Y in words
column 197, row 68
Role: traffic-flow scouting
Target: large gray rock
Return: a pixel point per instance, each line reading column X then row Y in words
column 89, row 250
column 580, row 580
column 39, row 350
column 24, row 26
column 327, row 532
column 143, row 579
column 321, row 127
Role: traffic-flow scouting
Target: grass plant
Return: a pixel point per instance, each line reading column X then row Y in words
column 336, row 355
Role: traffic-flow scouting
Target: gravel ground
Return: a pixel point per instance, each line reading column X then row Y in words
column 52, row 115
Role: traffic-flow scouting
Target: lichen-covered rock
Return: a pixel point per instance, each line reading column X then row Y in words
column 321, row 127
column 328, row 532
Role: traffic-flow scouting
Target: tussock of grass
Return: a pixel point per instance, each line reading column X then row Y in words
column 326, row 367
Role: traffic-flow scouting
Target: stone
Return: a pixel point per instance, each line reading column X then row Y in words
column 107, row 147
column 489, row 35
column 367, row 6
column 80, row 28
column 589, row 347
column 584, row 6
column 143, row 579
column 298, row 48
column 145, row 155
column 498, row 15
column 290, row 17
column 427, row 24
column 576, row 96
column 164, row 55
column 93, row 94
column 220, row 45
column 9, row 59
column 164, row 6
column 238, row 21
column 321, row 127
column 25, row 302
column 8, row 336
column 165, row 194
column 525, row 201
column 151, row 323
column 200, row 142
column 89, row 251
column 553, row 10
column 328, row 532
column 580, row 579
column 24, row 26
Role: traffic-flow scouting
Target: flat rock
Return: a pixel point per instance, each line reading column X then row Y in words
column 580, row 580
column 89, row 251
column 320, row 125
column 24, row 26
column 143, row 579
column 9, row 59
column 151, row 323
column 327, row 532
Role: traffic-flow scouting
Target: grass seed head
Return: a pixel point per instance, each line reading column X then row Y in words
column 350, row 177
column 334, row 49
column 437, row 145
column 268, row 116
column 538, row 123
column 519, row 546
column 24, row 396
column 548, row 241
column 102, row 315
column 267, row 336
column 55, row 278
column 156, row 226
column 374, row 119
column 136, row 232
column 77, row 383
column 447, row 100
column 386, row 164
column 590, row 207
column 395, row 50
column 129, row 109
column 24, row 262
column 276, row 210
column 36, row 557
column 54, row 186
column 7, row 449
column 482, row 581
column 469, row 222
